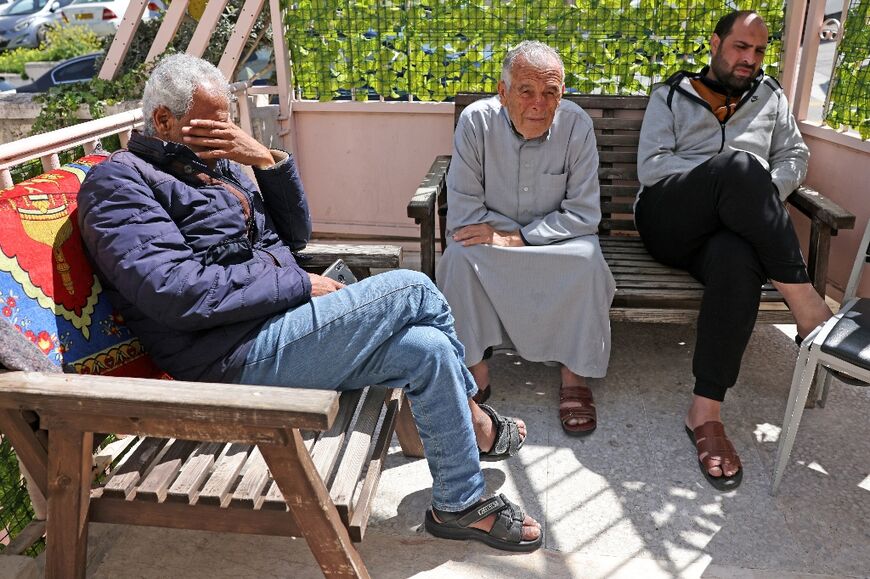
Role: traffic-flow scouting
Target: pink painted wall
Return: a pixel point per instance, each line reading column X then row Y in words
column 361, row 162
column 841, row 173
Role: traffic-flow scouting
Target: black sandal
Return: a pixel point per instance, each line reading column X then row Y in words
column 507, row 436
column 506, row 533
column 482, row 394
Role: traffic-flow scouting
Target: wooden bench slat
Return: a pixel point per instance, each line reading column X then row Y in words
column 218, row 488
column 194, row 472
column 611, row 207
column 629, row 252
column 132, row 467
column 249, row 493
column 608, row 191
column 614, row 241
column 616, row 140
column 623, row 284
column 325, row 451
column 626, row 173
column 626, row 263
column 617, row 156
column 104, row 457
column 273, row 499
column 609, row 102
column 358, row 518
column 664, row 277
column 164, row 471
column 625, row 124
column 618, row 224
column 357, row 449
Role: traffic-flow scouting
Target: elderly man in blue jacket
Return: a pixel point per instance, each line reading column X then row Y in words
column 199, row 261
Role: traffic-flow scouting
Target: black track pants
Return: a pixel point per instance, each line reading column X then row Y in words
column 722, row 222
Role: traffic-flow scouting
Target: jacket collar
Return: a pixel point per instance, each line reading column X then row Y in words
column 719, row 87
column 168, row 154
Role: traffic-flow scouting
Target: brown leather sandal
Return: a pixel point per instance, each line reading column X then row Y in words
column 710, row 438
column 584, row 409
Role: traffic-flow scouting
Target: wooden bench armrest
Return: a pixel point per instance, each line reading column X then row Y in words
column 321, row 255
column 818, row 207
column 421, row 207
column 826, row 218
column 138, row 401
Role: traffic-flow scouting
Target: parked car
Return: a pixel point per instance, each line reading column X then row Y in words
column 25, row 22
column 104, row 16
column 76, row 69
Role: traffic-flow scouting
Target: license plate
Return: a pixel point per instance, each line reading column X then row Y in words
column 84, row 16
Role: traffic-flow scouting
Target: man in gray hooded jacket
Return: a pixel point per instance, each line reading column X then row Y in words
column 719, row 152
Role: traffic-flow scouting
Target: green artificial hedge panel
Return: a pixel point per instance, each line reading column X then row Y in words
column 849, row 102
column 434, row 49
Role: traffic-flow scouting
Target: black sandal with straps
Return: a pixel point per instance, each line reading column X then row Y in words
column 508, row 441
column 506, row 533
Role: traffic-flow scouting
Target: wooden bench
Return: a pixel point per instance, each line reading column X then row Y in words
column 647, row 291
column 233, row 458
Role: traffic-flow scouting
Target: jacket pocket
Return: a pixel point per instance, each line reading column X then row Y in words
column 230, row 252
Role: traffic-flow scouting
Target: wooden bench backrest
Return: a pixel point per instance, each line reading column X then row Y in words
column 617, row 121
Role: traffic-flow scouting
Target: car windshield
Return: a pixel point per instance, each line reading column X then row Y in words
column 22, row 7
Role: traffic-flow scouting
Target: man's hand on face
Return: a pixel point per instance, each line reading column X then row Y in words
column 320, row 286
column 213, row 139
column 485, row 233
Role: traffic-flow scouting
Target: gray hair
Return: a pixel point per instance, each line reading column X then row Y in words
column 536, row 54
column 173, row 82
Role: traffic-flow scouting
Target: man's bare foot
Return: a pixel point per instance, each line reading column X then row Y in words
column 705, row 410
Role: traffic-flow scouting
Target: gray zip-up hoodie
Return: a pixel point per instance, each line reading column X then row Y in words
column 680, row 132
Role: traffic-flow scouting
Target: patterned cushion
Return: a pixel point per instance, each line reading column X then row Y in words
column 48, row 290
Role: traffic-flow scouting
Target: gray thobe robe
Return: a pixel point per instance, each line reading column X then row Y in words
column 549, row 299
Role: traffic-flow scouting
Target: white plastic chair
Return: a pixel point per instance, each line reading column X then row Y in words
column 841, row 344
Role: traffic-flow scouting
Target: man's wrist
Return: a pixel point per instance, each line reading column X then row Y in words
column 270, row 159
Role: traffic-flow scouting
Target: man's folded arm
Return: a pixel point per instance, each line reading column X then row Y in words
column 284, row 196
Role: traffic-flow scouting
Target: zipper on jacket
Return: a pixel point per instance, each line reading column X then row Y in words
column 676, row 87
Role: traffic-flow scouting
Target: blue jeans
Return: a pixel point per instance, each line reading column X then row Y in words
column 393, row 329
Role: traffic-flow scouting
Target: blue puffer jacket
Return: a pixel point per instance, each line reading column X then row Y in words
column 194, row 268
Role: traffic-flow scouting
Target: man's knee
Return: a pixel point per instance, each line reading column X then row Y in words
column 730, row 260
column 424, row 348
column 742, row 170
column 399, row 278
